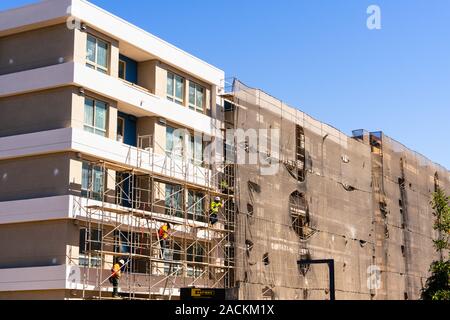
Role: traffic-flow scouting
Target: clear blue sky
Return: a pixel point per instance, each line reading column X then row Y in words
column 319, row 56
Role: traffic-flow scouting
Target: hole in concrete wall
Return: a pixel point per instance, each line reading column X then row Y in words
column 305, row 294
column 300, row 153
column 362, row 243
column 401, row 211
column 403, row 251
column 383, row 208
column 304, row 268
column 250, row 209
column 406, row 296
column 268, row 294
column 348, row 187
column 249, row 246
column 400, row 202
column 298, row 209
column 254, row 187
column 266, row 259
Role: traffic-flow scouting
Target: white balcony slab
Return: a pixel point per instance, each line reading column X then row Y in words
column 33, row 279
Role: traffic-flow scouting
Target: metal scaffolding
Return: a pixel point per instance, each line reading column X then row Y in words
column 123, row 222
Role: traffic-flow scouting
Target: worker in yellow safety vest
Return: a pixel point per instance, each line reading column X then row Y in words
column 216, row 205
column 116, row 273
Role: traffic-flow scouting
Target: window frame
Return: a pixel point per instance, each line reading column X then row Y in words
column 122, row 134
column 124, row 63
column 173, row 200
column 86, row 260
column 94, row 64
column 172, row 95
column 194, row 158
column 93, row 127
column 197, row 88
column 90, row 193
column 196, row 206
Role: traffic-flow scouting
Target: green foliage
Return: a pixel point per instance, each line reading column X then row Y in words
column 438, row 285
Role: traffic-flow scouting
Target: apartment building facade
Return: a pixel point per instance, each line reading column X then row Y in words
column 102, row 138
column 107, row 133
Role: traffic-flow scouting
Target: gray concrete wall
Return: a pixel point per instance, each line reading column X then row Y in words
column 37, row 111
column 37, row 244
column 35, row 49
column 35, row 177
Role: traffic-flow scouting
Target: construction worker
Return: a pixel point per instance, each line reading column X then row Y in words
column 116, row 273
column 163, row 234
column 216, row 205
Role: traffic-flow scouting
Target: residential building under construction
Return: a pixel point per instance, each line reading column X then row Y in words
column 108, row 133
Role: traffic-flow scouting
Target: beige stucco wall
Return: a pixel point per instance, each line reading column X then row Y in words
column 36, row 244
column 35, row 49
column 38, row 111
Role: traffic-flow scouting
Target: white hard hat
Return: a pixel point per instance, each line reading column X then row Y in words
column 217, row 198
column 121, row 261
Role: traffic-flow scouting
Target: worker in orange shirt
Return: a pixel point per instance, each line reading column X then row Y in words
column 116, row 274
column 164, row 234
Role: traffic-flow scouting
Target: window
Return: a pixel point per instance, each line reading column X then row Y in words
column 173, row 200
column 174, row 142
column 196, row 97
column 196, row 150
column 175, row 88
column 122, row 69
column 92, row 242
column 195, row 253
column 196, row 206
column 126, row 242
column 95, row 116
column 97, row 54
column 120, row 129
column 92, row 182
